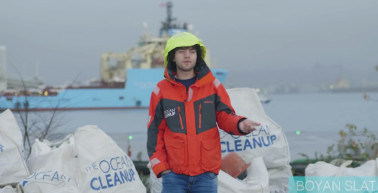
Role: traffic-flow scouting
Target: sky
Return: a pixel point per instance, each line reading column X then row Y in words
column 261, row 43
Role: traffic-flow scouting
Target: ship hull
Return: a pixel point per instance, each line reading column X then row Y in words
column 135, row 94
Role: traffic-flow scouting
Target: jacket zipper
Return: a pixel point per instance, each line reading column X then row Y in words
column 179, row 112
column 200, row 116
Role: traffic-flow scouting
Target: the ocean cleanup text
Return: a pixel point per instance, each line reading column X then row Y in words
column 114, row 171
column 259, row 138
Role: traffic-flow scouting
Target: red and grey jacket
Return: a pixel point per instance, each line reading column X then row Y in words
column 183, row 124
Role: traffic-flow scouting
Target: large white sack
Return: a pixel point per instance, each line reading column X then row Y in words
column 47, row 182
column 8, row 189
column 278, row 179
column 359, row 179
column 58, row 155
column 267, row 141
column 257, row 180
column 104, row 166
column 54, row 167
column 320, row 168
column 12, row 164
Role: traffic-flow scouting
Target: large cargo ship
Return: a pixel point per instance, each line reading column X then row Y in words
column 127, row 79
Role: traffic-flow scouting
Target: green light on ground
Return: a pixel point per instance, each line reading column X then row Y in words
column 298, row 132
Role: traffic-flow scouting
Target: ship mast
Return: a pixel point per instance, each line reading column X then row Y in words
column 148, row 54
column 167, row 24
column 169, row 14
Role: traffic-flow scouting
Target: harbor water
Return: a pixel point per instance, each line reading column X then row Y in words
column 311, row 122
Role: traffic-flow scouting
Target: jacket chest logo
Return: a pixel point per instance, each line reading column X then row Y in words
column 169, row 113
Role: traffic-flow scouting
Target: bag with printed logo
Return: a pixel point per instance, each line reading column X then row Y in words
column 267, row 141
column 53, row 165
column 103, row 165
column 47, row 181
column 12, row 163
column 54, row 155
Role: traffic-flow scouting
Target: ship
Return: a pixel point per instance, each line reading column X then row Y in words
column 127, row 79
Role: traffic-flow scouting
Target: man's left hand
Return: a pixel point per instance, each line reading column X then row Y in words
column 248, row 126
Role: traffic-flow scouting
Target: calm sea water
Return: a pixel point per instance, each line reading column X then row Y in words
column 319, row 117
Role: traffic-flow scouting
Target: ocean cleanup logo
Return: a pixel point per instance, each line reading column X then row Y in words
column 259, row 138
column 48, row 176
column 115, row 171
column 1, row 148
column 169, row 112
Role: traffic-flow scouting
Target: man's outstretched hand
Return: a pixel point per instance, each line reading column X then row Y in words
column 248, row 126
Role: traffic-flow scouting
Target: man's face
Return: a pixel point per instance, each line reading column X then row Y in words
column 185, row 58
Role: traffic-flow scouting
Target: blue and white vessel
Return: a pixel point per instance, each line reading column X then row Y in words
column 127, row 79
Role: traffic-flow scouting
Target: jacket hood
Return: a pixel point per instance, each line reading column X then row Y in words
column 185, row 39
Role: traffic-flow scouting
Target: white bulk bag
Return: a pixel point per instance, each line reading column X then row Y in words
column 104, row 166
column 320, row 168
column 267, row 141
column 257, row 180
column 59, row 155
column 53, row 166
column 47, row 182
column 359, row 179
column 12, row 164
column 8, row 189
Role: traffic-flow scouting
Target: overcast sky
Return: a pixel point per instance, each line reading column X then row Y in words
column 261, row 43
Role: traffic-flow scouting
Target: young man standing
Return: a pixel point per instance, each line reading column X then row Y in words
column 186, row 109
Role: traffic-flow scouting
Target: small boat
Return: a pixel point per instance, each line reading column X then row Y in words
column 262, row 97
column 264, row 100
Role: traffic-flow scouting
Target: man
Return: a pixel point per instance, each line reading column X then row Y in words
column 185, row 109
